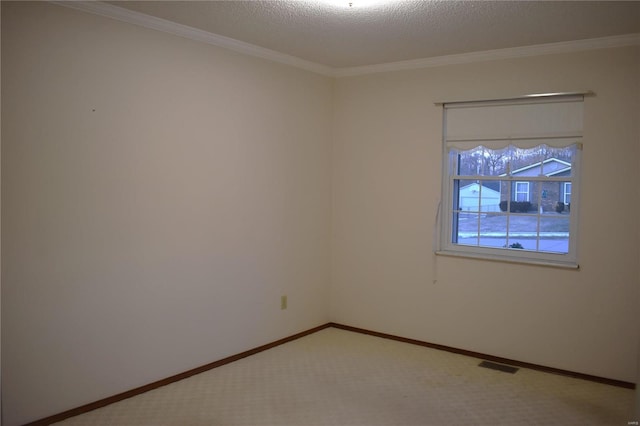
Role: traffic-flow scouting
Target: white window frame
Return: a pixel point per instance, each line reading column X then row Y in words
column 516, row 192
column 446, row 246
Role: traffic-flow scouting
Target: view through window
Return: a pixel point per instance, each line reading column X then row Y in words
column 512, row 197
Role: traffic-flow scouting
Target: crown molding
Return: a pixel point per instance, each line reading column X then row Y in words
column 159, row 24
column 491, row 55
column 152, row 22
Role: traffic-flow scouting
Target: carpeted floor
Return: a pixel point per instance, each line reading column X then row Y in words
column 337, row 377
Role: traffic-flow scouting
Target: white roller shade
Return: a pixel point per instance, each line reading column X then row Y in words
column 524, row 123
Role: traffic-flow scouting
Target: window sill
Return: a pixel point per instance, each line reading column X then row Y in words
column 521, row 261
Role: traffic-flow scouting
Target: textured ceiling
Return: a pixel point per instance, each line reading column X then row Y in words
column 334, row 34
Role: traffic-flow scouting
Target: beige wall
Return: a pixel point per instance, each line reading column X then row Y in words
column 158, row 232
column 387, row 165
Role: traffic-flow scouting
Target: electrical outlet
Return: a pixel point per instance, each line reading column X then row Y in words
column 283, row 302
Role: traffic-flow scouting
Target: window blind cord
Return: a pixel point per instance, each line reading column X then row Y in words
column 436, row 228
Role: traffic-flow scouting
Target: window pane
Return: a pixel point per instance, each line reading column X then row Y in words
column 505, row 195
column 476, row 196
column 523, row 232
column 525, row 162
column 557, row 224
column 481, row 161
column 518, row 196
column 493, row 230
column 554, row 234
column 465, row 228
column 496, row 161
column 557, row 161
column 490, row 196
column 524, row 196
column 552, row 198
column 470, row 162
column 469, row 195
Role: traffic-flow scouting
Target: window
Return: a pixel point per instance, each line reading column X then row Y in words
column 510, row 168
column 567, row 193
column 522, row 191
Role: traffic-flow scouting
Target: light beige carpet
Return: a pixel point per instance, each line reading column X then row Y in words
column 336, row 377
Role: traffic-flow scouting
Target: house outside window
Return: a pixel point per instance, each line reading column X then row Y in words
column 510, row 168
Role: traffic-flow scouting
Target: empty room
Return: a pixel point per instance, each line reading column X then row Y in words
column 320, row 212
